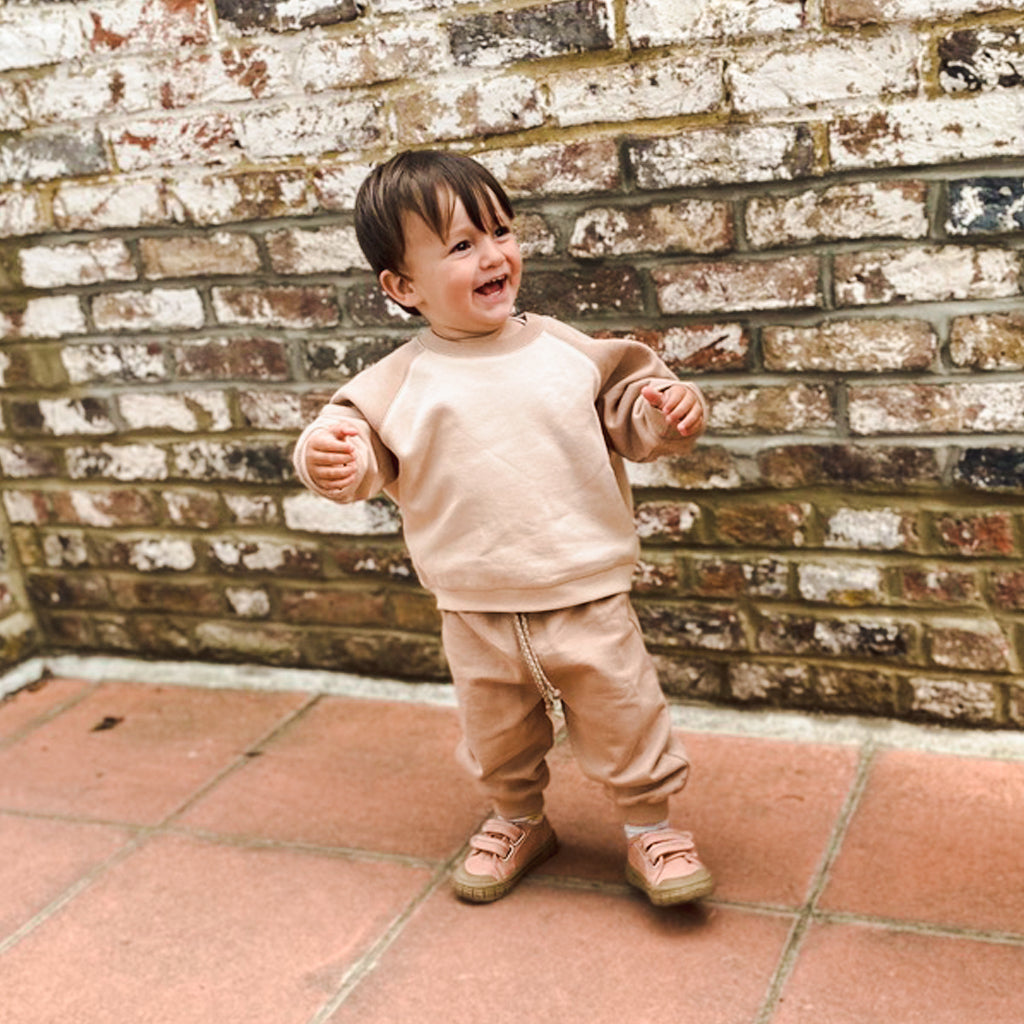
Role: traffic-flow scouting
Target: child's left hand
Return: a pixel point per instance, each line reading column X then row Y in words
column 680, row 406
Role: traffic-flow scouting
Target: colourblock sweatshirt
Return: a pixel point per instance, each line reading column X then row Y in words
column 505, row 458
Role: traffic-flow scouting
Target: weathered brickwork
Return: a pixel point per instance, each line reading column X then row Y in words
column 816, row 210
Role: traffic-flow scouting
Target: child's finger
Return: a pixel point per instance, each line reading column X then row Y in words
column 653, row 395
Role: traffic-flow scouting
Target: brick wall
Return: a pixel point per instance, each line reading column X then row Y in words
column 814, row 207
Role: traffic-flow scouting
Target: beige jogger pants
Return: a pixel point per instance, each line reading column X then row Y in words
column 615, row 713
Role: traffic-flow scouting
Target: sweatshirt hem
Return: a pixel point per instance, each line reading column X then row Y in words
column 618, row 580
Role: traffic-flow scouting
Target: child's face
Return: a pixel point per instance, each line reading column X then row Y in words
column 465, row 284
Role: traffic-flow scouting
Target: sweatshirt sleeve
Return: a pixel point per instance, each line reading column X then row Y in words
column 635, row 428
column 375, row 464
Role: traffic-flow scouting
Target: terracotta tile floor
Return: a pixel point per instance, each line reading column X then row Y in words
column 215, row 854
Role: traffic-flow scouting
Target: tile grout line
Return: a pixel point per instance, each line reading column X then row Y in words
column 795, row 940
column 143, row 833
column 49, row 715
column 57, row 904
column 241, row 760
column 893, row 924
column 366, row 964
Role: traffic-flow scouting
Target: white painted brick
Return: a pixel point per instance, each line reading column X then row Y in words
column 272, row 410
column 714, row 156
column 162, row 553
column 411, row 50
column 869, row 529
column 68, row 416
column 954, row 699
column 187, row 411
column 64, row 152
column 251, row 510
column 796, row 76
column 68, row 94
column 626, row 92
column 223, row 199
column 159, row 309
column 248, row 602
column 555, row 168
column 326, row 250
column 264, row 555
column 125, row 462
column 851, row 346
column 85, row 363
column 229, row 75
column 21, row 213
column 314, row 514
column 14, row 113
column 928, row 274
column 197, row 138
column 65, row 550
column 657, row 22
column 51, row 266
column 938, row 409
column 455, row 109
column 886, row 11
column 405, row 6
column 91, row 509
column 930, row 132
column 345, row 123
column 46, row 317
column 687, row 226
column 129, row 203
column 42, row 34
column 337, row 184
column 23, row 509
column 861, row 210
column 841, row 582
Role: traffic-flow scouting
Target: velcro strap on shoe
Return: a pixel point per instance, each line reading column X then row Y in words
column 497, row 837
column 662, row 845
column 490, row 844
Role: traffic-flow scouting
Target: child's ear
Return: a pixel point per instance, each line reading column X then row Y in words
column 397, row 287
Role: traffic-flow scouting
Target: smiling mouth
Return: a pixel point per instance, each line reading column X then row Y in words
column 494, row 286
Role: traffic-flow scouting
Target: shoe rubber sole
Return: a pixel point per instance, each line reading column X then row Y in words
column 484, row 889
column 682, row 890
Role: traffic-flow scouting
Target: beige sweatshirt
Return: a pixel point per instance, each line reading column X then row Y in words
column 504, row 456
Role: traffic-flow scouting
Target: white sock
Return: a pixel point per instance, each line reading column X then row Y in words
column 632, row 831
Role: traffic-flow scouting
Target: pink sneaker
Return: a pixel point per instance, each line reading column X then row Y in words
column 499, row 855
column 665, row 865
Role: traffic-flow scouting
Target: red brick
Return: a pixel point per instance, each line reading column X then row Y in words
column 277, row 306
column 782, row 525
column 976, row 535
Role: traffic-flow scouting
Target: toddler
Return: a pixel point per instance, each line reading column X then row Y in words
column 501, row 437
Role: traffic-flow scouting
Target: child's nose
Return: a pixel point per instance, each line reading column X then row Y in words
column 490, row 252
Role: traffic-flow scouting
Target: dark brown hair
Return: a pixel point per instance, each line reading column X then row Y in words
column 422, row 182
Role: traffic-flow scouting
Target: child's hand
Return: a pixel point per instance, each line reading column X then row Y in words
column 680, row 406
column 331, row 459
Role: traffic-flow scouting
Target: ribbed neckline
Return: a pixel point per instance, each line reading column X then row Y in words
column 514, row 334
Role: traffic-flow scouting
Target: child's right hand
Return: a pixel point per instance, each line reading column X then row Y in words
column 331, row 459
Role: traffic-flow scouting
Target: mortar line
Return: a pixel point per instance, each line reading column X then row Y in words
column 807, row 914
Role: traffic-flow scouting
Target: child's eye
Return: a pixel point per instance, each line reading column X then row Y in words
column 460, row 246
column 502, row 230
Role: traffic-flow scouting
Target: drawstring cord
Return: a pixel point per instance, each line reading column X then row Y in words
column 547, row 690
